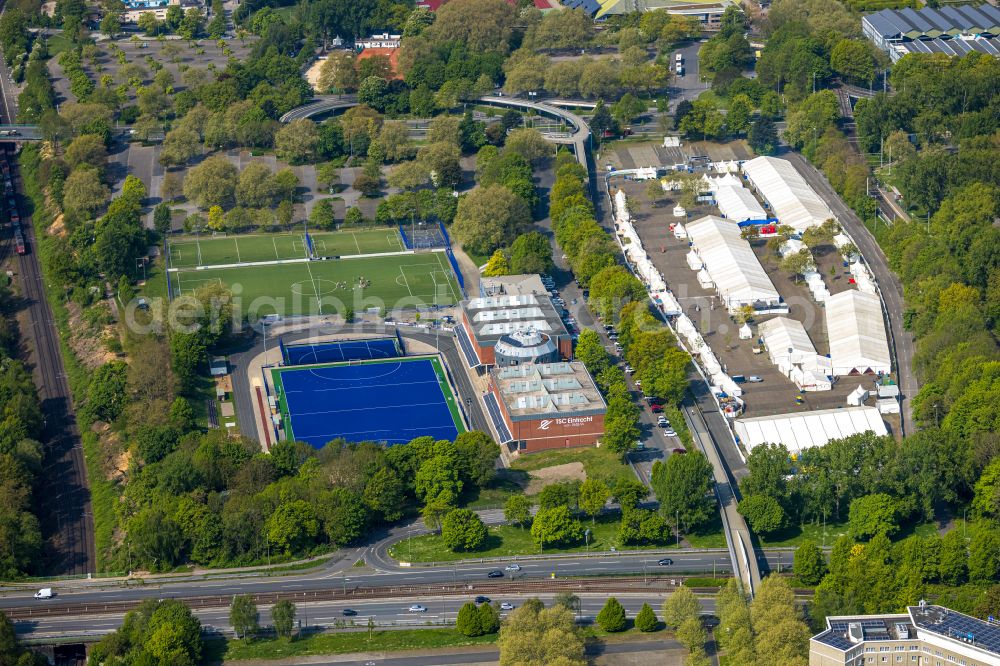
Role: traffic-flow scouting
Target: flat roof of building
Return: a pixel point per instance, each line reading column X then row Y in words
column 930, row 22
column 563, row 389
column 512, row 285
column 868, row 628
column 798, row 431
column 492, row 317
column 957, row 626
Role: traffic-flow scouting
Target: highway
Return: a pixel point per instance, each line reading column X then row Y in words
column 394, row 613
column 64, row 497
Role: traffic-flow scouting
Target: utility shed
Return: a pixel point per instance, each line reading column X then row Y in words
column 858, row 343
column 793, row 201
column 732, row 265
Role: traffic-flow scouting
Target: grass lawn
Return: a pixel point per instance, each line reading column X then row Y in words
column 710, row 536
column 193, row 251
column 507, row 482
column 57, row 44
column 797, row 534
column 598, row 463
column 508, row 541
column 327, row 287
column 344, row 642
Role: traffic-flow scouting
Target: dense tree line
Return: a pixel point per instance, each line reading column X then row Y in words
column 20, row 453
column 768, row 630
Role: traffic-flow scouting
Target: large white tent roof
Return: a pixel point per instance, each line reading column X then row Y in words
column 794, row 202
column 786, row 339
column 802, row 431
column 857, row 333
column 738, row 276
column 737, row 203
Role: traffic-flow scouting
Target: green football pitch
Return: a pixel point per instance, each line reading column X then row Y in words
column 193, row 251
column 327, row 287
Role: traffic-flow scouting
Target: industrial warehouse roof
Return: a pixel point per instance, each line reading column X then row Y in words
column 548, row 389
column 793, row 201
column 928, row 23
column 802, row 431
column 732, row 265
column 682, row 7
column 858, row 342
column 951, row 47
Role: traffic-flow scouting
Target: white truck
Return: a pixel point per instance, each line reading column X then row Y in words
column 44, row 593
column 678, row 58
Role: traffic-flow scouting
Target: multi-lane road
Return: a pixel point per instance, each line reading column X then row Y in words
column 64, row 497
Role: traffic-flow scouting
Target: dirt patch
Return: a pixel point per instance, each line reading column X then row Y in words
column 87, row 340
column 58, row 226
column 542, row 477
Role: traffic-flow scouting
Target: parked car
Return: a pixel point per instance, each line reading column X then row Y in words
column 670, row 432
column 678, row 450
column 639, row 446
column 496, row 573
column 507, row 606
column 655, row 408
column 348, row 612
column 665, row 562
column 755, row 379
column 513, row 567
column 482, row 600
column 629, row 369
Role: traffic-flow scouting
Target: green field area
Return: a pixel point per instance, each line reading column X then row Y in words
column 328, row 287
column 194, row 251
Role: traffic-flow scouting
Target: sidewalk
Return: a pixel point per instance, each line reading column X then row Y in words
column 477, row 655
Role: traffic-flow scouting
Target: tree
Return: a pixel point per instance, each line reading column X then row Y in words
column 497, row 265
column 467, row 621
column 763, row 513
column 871, row 515
column 567, row 600
column 481, row 25
column 162, row 218
column 87, row 149
column 517, row 509
column 645, row 620
column 530, row 253
column 489, row 218
column 763, row 136
column 738, row 118
column 297, row 141
column 984, row 555
column 243, row 616
column 691, row 634
column 489, row 619
column 107, row 393
column 83, row 192
column 213, row 182
column 680, row 606
column 954, row 562
column 797, row 263
column 683, row 485
column 853, row 59
column 809, row 564
column 533, row 635
column 555, row 526
column 612, row 616
column 322, row 215
column 594, row 493
column 529, row 144
column 292, row 525
column 283, row 616
column 601, row 121
column 395, row 140
column 463, row 530
column 627, row 108
column 812, row 117
column 256, row 187
column 338, row 73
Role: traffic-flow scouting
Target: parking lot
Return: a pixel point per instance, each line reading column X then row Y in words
column 776, row 394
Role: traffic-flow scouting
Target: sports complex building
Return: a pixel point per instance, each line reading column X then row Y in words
column 542, row 406
column 951, row 30
column 513, row 321
column 359, row 390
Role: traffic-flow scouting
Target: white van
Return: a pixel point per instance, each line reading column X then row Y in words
column 44, row 593
column 678, row 58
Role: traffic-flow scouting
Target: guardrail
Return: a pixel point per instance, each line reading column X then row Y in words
column 560, row 556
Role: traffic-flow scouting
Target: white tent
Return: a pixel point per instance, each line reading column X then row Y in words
column 694, row 261
column 679, row 212
column 803, row 431
column 793, row 201
column 745, row 332
column 705, row 279
column 668, row 304
column 858, row 396
column 645, row 173
column 735, row 202
column 738, row 275
column 858, row 342
column 790, row 246
column 789, row 348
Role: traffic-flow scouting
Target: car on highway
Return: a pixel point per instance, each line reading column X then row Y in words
column 44, row 593
column 507, row 606
column 665, row 562
column 496, row 573
column 482, row 600
column 417, row 608
column 348, row 612
column 513, row 567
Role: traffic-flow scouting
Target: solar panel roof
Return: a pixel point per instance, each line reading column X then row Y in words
column 954, row 625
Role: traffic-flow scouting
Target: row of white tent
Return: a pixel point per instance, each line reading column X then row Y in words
column 791, row 198
column 660, row 294
column 735, row 202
